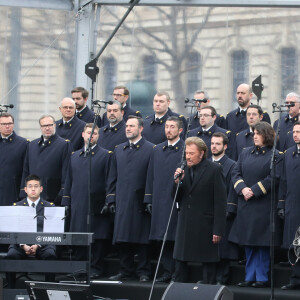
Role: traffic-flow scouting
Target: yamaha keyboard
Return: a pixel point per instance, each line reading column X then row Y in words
column 42, row 238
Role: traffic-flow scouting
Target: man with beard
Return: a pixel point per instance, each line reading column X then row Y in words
column 126, row 190
column 159, row 201
column 201, row 219
column 228, row 250
column 236, row 119
column 76, row 197
column 113, row 133
column 48, row 157
column 69, row 126
column 121, row 94
column 244, row 138
column 83, row 112
column 288, row 205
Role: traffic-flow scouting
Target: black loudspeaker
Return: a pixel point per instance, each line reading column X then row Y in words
column 196, row 291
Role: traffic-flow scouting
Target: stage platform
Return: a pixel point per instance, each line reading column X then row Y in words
column 135, row 290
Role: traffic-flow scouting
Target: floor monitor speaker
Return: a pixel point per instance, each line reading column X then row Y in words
column 196, row 291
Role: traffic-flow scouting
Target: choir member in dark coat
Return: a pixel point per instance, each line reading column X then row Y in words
column 208, row 127
column 202, row 99
column 121, row 94
column 33, row 188
column 48, row 157
column 252, row 183
column 244, row 139
column 113, row 133
column 159, row 201
column 289, row 142
column 126, row 190
column 76, row 197
column 287, row 122
column 12, row 153
column 288, row 204
column 83, row 112
column 202, row 215
column 228, row 250
column 236, row 119
column 70, row 127
column 154, row 125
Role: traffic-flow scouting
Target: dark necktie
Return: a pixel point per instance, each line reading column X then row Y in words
column 33, row 205
column 171, row 147
column 131, row 145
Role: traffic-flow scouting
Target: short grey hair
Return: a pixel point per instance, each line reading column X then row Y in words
column 293, row 94
column 202, row 92
column 116, row 103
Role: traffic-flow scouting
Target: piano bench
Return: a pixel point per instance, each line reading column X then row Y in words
column 42, row 266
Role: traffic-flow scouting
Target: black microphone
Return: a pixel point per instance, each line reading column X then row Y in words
column 102, row 101
column 183, row 164
column 7, row 105
column 288, row 104
column 274, row 105
column 200, row 100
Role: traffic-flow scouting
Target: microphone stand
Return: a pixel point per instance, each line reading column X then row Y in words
column 174, row 200
column 279, row 109
column 91, row 69
column 88, row 220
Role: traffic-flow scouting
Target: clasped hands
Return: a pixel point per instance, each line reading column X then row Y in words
column 247, row 193
column 30, row 250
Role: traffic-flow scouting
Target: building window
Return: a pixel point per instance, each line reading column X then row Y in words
column 149, row 70
column 289, row 71
column 240, row 70
column 194, row 69
column 110, row 76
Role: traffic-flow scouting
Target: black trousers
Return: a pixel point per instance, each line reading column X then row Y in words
column 100, row 248
column 208, row 272
column 223, row 271
column 167, row 263
column 127, row 252
column 43, row 253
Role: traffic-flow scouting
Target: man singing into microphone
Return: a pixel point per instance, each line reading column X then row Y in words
column 201, row 219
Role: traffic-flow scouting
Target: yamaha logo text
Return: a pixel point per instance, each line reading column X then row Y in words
column 48, row 239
